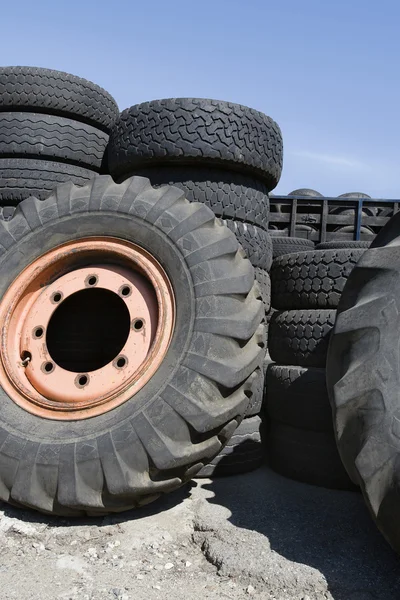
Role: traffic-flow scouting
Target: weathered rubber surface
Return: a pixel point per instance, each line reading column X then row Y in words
column 297, row 396
column 229, row 195
column 343, row 244
column 256, row 242
column 264, row 283
column 306, row 192
column 258, row 392
column 30, row 135
column 287, row 245
column 363, row 378
column 244, row 451
column 183, row 416
column 300, row 337
column 24, row 177
column 313, row 279
column 307, row 456
column 39, row 90
column 200, row 132
column 354, row 195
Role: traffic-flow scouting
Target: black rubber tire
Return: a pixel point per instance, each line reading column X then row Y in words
column 229, row 195
column 306, row 192
column 258, row 392
column 264, row 283
column 300, row 337
column 287, row 245
column 21, row 178
column 313, row 279
column 39, row 90
column 363, row 378
column 199, row 132
column 298, row 397
column 307, row 456
column 244, row 451
column 182, row 417
column 256, row 242
column 338, row 245
column 52, row 138
column 354, row 195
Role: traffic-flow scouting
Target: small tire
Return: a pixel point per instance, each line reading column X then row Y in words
column 288, row 245
column 198, row 132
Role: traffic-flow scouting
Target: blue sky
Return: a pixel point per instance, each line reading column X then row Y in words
column 326, row 70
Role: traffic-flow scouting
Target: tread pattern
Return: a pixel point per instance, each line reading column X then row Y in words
column 297, row 396
column 313, row 279
column 128, row 458
column 21, row 178
column 54, row 92
column 300, row 337
column 244, row 451
column 264, row 282
column 53, row 138
column 200, row 131
column 346, row 244
column 306, row 192
column 287, row 245
column 256, row 243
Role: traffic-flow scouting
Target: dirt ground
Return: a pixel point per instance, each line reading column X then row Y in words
column 252, row 536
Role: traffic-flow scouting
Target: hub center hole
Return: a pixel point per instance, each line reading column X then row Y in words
column 88, row 330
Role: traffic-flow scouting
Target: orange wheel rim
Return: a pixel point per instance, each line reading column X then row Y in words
column 53, row 308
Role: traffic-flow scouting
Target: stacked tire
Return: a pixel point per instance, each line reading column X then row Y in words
column 54, row 127
column 306, row 288
column 228, row 157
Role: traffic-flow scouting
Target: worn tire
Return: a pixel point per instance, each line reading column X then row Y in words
column 297, row 396
column 177, row 422
column 338, row 245
column 24, row 177
column 39, row 136
column 287, row 245
column 312, row 279
column 244, row 451
column 307, row 456
column 264, row 283
column 255, row 242
column 363, row 378
column 300, row 337
column 198, row 132
column 306, row 192
column 39, row 90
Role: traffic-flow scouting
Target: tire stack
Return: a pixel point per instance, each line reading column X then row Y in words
column 306, row 288
column 228, row 157
column 54, row 127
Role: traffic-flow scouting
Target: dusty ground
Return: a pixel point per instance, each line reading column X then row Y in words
column 252, row 536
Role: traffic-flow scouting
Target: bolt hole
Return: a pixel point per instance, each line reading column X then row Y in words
column 126, row 290
column 83, row 380
column 138, row 325
column 92, row 281
column 26, row 356
column 57, row 297
column 38, row 332
column 48, row 367
column 121, row 362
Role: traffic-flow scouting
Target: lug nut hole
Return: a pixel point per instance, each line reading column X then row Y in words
column 120, row 362
column 91, row 280
column 48, row 367
column 38, row 332
column 138, row 324
column 81, row 380
column 125, row 291
column 56, row 297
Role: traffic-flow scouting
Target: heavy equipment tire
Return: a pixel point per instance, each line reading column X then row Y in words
column 313, row 279
column 363, row 378
column 338, row 245
column 297, row 396
column 24, row 177
column 256, row 242
column 300, row 337
column 287, row 245
column 120, row 433
column 264, row 282
column 39, row 90
column 199, row 132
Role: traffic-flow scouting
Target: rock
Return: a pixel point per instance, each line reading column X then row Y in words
column 169, row 566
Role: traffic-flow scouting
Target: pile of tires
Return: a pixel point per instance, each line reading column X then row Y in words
column 306, row 289
column 228, row 157
column 54, row 127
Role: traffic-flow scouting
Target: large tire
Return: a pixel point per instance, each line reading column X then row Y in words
column 24, row 177
column 264, row 283
column 306, row 192
column 56, row 93
column 298, row 397
column 244, row 451
column 339, row 245
column 198, row 132
column 307, row 456
column 255, row 242
column 288, row 245
column 300, row 337
column 312, row 279
column 229, row 195
column 363, row 378
column 48, row 137
column 180, row 419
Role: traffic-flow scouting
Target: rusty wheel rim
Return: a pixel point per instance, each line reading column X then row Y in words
column 31, row 371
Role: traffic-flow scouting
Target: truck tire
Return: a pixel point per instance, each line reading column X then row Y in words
column 198, row 132
column 288, row 245
column 264, row 283
column 83, row 432
column 297, row 396
column 255, row 242
column 363, row 375
column 306, row 192
column 313, row 279
column 300, row 337
column 36, row 90
column 338, row 245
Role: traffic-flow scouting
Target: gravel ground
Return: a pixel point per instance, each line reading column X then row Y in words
column 251, row 536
